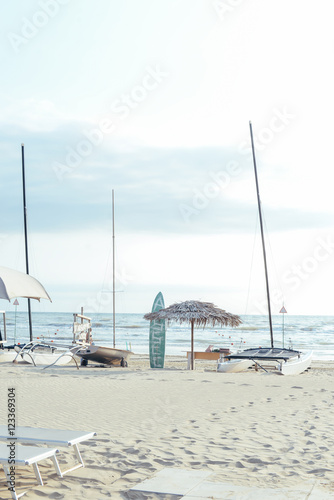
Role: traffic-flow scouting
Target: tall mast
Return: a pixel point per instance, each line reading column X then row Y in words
column 26, row 235
column 113, row 269
column 262, row 236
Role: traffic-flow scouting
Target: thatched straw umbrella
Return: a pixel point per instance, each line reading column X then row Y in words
column 197, row 313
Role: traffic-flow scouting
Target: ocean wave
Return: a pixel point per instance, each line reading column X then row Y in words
column 128, row 326
column 312, row 332
column 250, row 328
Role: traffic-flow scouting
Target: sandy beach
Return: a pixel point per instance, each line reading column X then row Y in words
column 251, row 429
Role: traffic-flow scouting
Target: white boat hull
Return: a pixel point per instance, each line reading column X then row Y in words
column 234, row 366
column 104, row 354
column 40, row 355
column 7, row 356
column 40, row 359
column 294, row 366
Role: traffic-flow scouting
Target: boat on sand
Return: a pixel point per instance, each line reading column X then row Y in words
column 84, row 347
column 42, row 353
column 82, row 331
column 235, row 365
column 283, row 361
column 103, row 354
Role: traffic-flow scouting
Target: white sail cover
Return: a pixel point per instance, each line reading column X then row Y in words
column 16, row 284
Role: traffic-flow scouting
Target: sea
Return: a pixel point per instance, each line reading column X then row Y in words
column 132, row 332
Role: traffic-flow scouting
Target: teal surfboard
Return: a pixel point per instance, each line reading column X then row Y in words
column 157, row 335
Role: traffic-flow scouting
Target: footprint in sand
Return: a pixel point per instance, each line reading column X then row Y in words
column 131, row 450
column 189, row 452
column 318, row 472
column 165, row 463
column 43, row 494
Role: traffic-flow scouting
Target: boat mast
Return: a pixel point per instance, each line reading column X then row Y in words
column 113, row 269
column 262, row 236
column 26, row 235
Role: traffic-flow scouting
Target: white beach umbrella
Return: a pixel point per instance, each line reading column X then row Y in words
column 16, row 284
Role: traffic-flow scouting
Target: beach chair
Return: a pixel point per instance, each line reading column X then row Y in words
column 24, row 455
column 50, row 437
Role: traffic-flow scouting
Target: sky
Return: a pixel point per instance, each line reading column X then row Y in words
column 153, row 99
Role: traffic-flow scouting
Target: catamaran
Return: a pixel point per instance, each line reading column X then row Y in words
column 284, row 361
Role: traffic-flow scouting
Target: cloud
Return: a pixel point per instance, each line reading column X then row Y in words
column 164, row 190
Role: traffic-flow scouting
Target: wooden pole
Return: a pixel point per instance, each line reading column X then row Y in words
column 192, row 344
column 113, row 270
column 26, row 235
column 283, row 311
column 262, row 236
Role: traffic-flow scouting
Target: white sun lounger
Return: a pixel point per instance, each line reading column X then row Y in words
column 24, row 455
column 50, row 437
